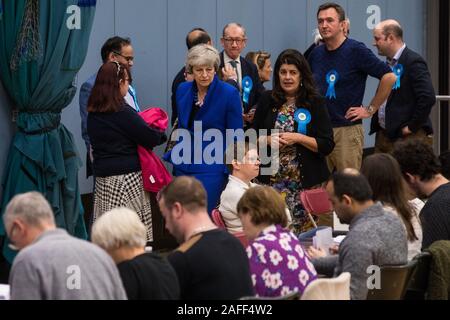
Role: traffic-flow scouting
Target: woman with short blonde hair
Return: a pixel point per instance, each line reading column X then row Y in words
column 145, row 275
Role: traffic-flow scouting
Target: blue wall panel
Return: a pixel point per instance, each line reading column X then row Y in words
column 158, row 29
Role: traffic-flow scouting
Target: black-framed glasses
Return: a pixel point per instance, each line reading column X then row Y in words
column 238, row 41
column 125, row 57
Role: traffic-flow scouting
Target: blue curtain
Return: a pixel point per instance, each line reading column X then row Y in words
column 40, row 55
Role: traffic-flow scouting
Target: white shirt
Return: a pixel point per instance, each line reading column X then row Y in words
column 229, row 199
column 415, row 246
column 382, row 110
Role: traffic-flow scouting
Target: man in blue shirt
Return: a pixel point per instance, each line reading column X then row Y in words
column 115, row 49
column 340, row 68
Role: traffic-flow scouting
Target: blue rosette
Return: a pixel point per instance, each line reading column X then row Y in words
column 247, row 86
column 303, row 118
column 332, row 79
column 398, row 71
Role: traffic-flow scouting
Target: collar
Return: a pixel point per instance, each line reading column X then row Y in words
column 50, row 233
column 239, row 182
column 227, row 59
column 399, row 53
column 371, row 211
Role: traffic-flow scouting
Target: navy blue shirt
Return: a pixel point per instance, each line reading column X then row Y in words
column 353, row 62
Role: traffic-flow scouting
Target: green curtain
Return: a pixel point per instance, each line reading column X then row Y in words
column 39, row 59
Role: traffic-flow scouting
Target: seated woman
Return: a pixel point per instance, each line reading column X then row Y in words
column 204, row 104
column 278, row 264
column 298, row 124
column 115, row 130
column 243, row 164
column 145, row 275
column 386, row 179
column 262, row 61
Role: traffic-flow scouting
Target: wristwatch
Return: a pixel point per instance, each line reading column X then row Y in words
column 370, row 109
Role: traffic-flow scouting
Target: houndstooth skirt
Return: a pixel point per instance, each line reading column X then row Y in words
column 123, row 191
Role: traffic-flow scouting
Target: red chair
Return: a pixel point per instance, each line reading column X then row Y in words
column 217, row 218
column 315, row 202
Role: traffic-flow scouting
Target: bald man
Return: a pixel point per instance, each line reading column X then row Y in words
column 405, row 114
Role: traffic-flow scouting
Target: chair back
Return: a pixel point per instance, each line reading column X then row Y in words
column 315, row 202
column 329, row 289
column 393, row 282
column 418, row 283
column 216, row 217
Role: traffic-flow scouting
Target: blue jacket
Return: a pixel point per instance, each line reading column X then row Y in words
column 221, row 110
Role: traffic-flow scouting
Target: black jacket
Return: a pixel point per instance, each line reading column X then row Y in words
column 411, row 104
column 248, row 69
column 313, row 167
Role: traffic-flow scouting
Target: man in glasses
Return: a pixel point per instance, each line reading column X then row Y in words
column 233, row 42
column 54, row 265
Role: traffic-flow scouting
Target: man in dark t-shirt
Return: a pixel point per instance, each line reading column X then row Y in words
column 210, row 263
column 421, row 169
column 341, row 67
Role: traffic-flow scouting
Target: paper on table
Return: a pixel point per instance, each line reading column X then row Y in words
column 323, row 239
column 4, row 292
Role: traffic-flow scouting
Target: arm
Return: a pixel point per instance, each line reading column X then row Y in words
column 325, row 265
column 138, row 130
column 322, row 142
column 382, row 94
column 24, row 281
column 424, row 94
column 355, row 259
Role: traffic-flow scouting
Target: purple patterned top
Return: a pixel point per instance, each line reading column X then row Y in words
column 278, row 264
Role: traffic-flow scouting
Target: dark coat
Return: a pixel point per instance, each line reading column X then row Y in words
column 411, row 104
column 313, row 167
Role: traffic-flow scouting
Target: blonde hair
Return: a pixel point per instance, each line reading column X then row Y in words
column 202, row 55
column 118, row 228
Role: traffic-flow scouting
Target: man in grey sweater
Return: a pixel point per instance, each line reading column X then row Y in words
column 375, row 237
column 52, row 265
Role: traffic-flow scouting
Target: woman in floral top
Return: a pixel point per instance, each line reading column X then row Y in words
column 299, row 125
column 278, row 263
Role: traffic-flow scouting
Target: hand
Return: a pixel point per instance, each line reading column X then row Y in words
column 357, row 113
column 406, row 131
column 248, row 117
column 334, row 249
column 228, row 72
column 289, row 138
column 314, row 253
column 273, row 141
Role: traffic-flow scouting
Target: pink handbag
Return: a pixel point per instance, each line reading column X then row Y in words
column 316, row 202
column 154, row 174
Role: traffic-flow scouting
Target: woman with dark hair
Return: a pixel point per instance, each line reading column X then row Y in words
column 298, row 123
column 115, row 130
column 385, row 177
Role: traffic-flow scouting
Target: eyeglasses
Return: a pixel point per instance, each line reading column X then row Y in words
column 231, row 40
column 125, row 57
